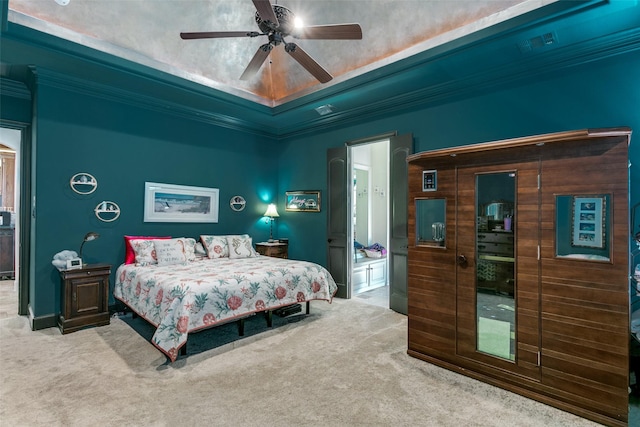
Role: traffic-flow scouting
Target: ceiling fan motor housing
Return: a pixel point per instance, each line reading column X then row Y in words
column 285, row 24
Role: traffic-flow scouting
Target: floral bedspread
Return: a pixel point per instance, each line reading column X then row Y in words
column 179, row 299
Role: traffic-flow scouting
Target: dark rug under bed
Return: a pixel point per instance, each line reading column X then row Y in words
column 221, row 335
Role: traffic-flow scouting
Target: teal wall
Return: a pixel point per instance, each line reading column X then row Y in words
column 125, row 144
column 595, row 95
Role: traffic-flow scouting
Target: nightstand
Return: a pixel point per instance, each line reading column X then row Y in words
column 84, row 297
column 276, row 249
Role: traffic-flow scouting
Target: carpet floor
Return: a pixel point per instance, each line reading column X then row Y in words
column 344, row 364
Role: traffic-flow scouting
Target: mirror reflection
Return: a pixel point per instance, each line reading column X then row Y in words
column 430, row 222
column 495, row 275
column 582, row 227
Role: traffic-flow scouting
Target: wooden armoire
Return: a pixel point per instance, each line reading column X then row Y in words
column 518, row 267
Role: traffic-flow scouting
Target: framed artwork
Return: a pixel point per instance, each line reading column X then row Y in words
column 588, row 221
column 179, row 203
column 302, row 201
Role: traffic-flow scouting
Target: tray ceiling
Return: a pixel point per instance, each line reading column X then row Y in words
column 147, row 32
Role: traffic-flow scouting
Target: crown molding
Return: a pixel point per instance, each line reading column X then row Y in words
column 107, row 92
column 14, row 89
column 533, row 67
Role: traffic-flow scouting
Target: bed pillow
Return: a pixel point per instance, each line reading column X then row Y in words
column 199, row 250
column 189, row 248
column 169, row 252
column 145, row 251
column 216, row 246
column 129, row 254
column 241, row 246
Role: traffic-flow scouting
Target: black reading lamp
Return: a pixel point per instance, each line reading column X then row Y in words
column 87, row 238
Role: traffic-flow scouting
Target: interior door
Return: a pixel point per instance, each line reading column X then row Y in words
column 337, row 216
column 497, row 273
column 399, row 148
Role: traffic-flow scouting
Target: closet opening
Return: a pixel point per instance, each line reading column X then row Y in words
column 369, row 221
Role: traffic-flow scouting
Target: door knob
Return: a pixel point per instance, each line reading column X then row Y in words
column 461, row 260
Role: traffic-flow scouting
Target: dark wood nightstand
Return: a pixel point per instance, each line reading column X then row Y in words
column 84, row 297
column 277, row 250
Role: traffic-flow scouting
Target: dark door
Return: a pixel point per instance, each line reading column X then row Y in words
column 399, row 148
column 337, row 216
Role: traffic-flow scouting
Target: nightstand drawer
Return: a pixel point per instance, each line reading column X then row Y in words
column 277, row 250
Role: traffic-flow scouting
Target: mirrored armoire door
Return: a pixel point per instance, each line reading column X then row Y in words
column 497, row 266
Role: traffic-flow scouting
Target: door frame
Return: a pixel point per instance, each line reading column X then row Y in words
column 351, row 164
column 338, row 240
column 23, row 220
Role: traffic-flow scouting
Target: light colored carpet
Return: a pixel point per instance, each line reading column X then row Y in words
column 345, row 364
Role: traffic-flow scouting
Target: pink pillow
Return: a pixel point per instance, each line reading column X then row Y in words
column 129, row 254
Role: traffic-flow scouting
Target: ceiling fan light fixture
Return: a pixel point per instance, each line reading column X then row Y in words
column 323, row 110
column 276, row 23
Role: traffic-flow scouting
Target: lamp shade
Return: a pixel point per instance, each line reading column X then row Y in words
column 92, row 235
column 271, row 212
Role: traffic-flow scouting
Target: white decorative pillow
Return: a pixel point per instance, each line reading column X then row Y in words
column 189, row 248
column 216, row 246
column 171, row 251
column 241, row 246
column 145, row 252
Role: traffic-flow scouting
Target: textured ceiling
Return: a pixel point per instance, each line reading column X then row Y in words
column 147, row 32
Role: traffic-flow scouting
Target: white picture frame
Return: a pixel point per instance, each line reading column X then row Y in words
column 180, row 203
column 588, row 228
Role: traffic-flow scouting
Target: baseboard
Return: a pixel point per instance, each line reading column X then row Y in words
column 42, row 322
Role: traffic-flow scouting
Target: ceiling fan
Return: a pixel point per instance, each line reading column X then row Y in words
column 277, row 22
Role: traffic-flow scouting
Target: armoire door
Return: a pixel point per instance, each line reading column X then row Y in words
column 497, row 284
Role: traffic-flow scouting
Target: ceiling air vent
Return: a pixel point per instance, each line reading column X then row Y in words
column 537, row 42
column 323, row 110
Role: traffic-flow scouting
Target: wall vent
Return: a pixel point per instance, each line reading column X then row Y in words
column 537, row 42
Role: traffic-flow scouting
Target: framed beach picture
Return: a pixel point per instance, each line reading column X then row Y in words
column 588, row 221
column 179, row 203
column 302, row 201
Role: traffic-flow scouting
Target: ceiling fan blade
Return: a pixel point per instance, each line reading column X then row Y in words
column 218, row 34
column 307, row 62
column 256, row 62
column 330, row 32
column 266, row 11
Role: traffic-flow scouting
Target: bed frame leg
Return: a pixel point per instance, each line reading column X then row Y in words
column 241, row 327
column 308, row 306
column 269, row 315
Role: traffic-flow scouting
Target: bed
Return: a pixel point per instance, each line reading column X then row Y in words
column 179, row 298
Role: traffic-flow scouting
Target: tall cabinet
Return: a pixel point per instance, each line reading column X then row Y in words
column 518, row 257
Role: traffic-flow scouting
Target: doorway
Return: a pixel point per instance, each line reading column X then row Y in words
column 369, row 214
column 10, row 142
column 339, row 224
